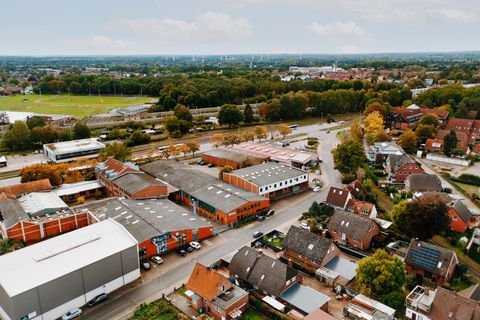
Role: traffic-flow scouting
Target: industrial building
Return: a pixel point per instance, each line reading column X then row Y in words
column 233, row 159
column 158, row 225
column 45, row 280
column 69, row 192
column 206, row 194
column 73, row 150
column 125, row 179
column 271, row 180
column 295, row 158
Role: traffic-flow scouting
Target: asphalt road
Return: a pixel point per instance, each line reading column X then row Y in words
column 173, row 274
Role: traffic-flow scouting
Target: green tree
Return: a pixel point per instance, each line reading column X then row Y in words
column 356, row 132
column 182, row 113
column 425, row 132
column 398, row 212
column 138, row 138
column 81, row 131
column 382, row 277
column 230, row 115
column 17, row 137
column 193, row 146
column 422, row 218
column 43, row 135
column 9, row 245
column 348, row 156
column 376, row 106
column 429, row 119
column 116, row 150
column 408, row 141
column 450, row 143
column 35, row 121
column 248, row 114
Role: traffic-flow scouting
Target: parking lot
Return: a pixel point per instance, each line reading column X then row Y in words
column 17, row 162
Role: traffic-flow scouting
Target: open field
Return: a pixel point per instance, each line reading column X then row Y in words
column 470, row 189
column 78, row 106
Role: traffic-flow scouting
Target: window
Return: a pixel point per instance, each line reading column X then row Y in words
column 261, row 189
column 281, row 184
column 454, row 218
column 274, row 185
column 217, row 308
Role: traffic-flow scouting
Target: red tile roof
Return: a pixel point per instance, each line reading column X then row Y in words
column 206, row 282
column 434, row 144
column 27, row 187
column 439, row 113
column 462, row 137
column 459, row 125
column 117, row 166
column 337, row 197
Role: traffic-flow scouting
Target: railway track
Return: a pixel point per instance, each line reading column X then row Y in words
column 473, row 268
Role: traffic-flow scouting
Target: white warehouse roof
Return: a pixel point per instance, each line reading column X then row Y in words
column 32, row 266
column 75, row 146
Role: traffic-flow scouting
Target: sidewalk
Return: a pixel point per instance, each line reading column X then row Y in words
column 182, row 304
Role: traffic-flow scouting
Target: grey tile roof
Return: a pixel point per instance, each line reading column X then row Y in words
column 12, row 212
column 462, row 210
column 429, row 257
column 352, row 225
column 179, row 175
column 225, row 197
column 133, row 182
column 268, row 173
column 265, row 273
column 145, row 219
column 397, row 160
column 421, row 181
column 345, row 268
column 307, row 244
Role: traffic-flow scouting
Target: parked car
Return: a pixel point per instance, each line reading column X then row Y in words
column 157, row 259
column 211, row 165
column 304, row 225
column 146, row 266
column 189, row 249
column 270, row 213
column 98, row 299
column 195, row 245
column 316, row 189
column 72, row 314
column 257, row 234
column 202, row 163
column 260, row 218
column 182, row 252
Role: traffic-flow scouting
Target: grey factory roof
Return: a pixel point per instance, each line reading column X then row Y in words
column 304, row 298
column 74, row 188
column 233, row 155
column 12, row 212
column 133, row 182
column 145, row 219
column 307, row 244
column 39, row 201
column 37, row 264
column 351, row 224
column 268, row 173
column 179, row 175
column 225, row 197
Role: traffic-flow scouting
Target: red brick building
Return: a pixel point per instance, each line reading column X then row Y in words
column 207, row 195
column 351, row 229
column 23, row 188
column 125, row 179
column 230, row 158
column 460, row 216
column 399, row 167
column 430, row 261
column 214, row 294
column 158, row 225
column 308, row 250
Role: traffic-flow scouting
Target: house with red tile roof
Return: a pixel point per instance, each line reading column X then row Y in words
column 213, row 293
column 338, row 198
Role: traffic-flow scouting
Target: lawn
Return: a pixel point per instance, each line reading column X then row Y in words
column 78, row 106
column 251, row 314
column 276, row 242
column 470, row 189
column 157, row 310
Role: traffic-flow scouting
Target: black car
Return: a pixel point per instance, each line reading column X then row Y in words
column 189, row 249
column 98, row 299
column 182, row 252
column 270, row 213
column 257, row 234
column 260, row 218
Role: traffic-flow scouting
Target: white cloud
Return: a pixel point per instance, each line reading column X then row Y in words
column 458, row 15
column 208, row 27
column 338, row 29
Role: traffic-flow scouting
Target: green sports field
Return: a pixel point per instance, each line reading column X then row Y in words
column 77, row 106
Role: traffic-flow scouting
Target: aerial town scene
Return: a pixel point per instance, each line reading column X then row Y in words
column 240, row 160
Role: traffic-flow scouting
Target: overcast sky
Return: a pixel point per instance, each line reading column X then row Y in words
column 63, row 27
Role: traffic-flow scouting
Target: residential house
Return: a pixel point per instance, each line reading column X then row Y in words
column 434, row 145
column 364, row 209
column 419, row 182
column 352, row 229
column 399, row 167
column 423, row 303
column 338, row 198
column 126, row 180
column 211, row 292
column 430, row 261
column 363, row 307
column 379, row 152
column 357, row 190
column 306, row 250
column 460, row 216
column 253, row 270
column 403, row 118
column 442, row 115
column 463, row 139
column 467, row 126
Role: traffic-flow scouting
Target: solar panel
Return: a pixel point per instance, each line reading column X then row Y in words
column 425, row 257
